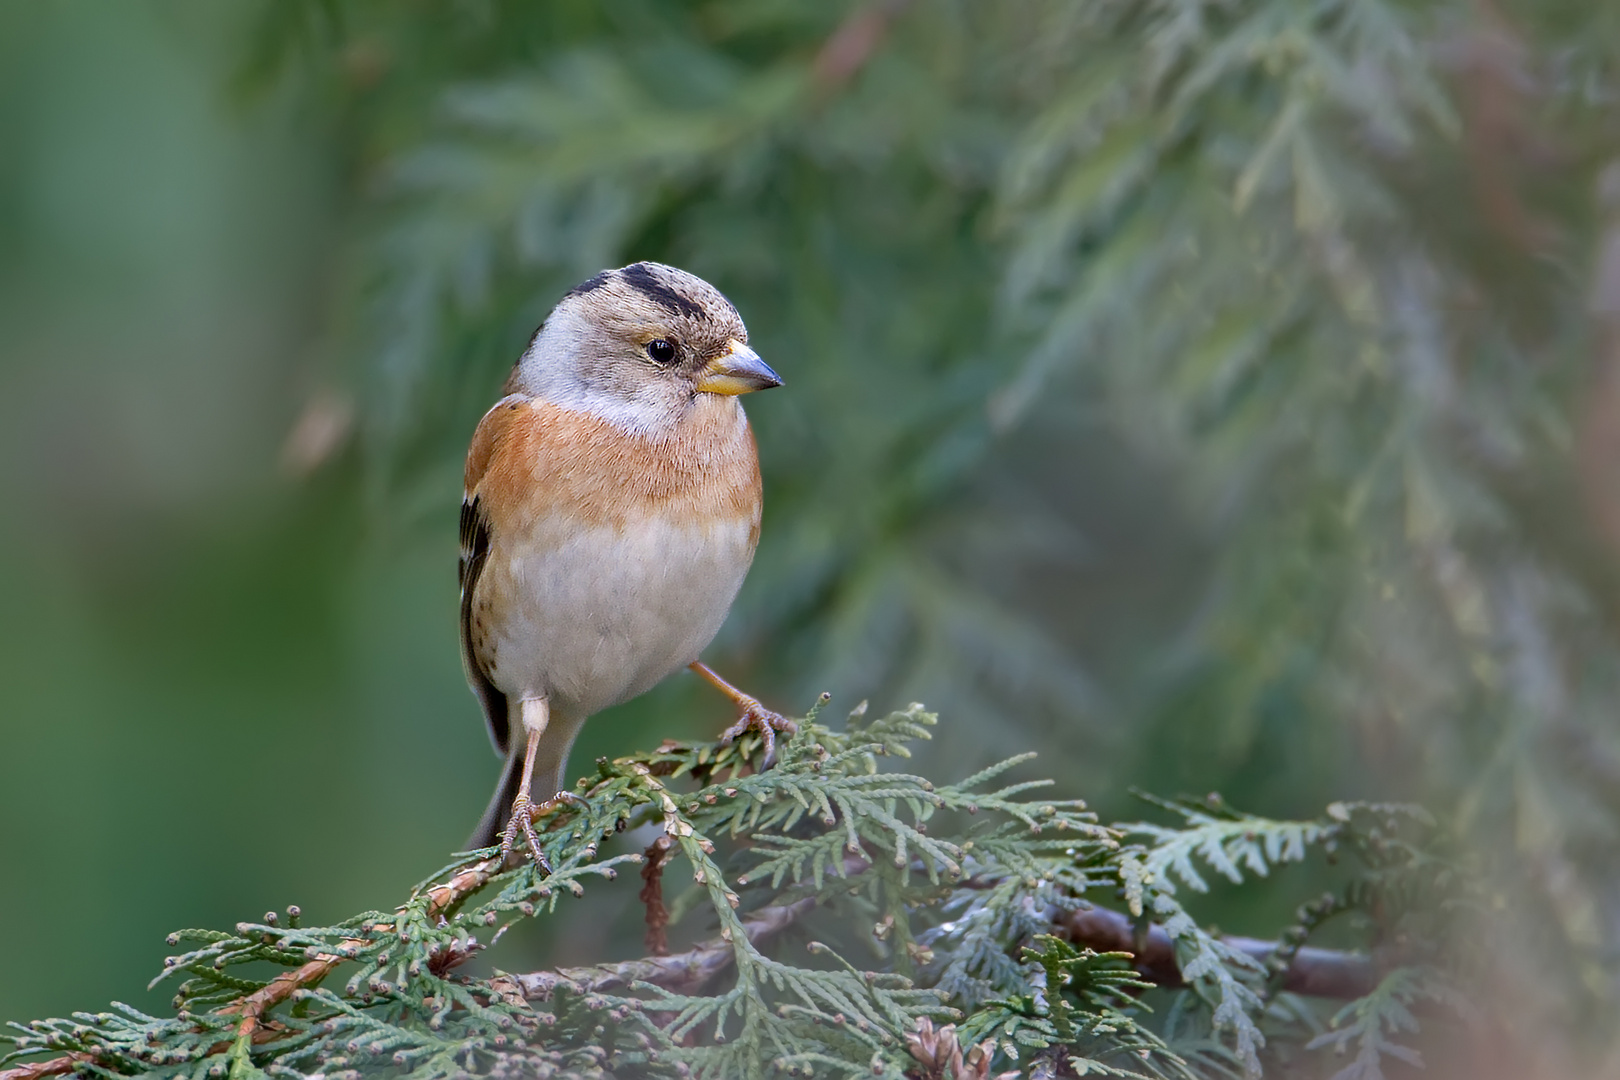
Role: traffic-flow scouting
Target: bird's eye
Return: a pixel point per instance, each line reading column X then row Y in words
column 662, row 352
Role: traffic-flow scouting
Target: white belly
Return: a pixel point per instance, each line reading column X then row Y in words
column 599, row 616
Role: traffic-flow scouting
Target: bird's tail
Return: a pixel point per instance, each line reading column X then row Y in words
column 500, row 806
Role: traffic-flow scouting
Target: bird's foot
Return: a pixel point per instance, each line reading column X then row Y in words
column 757, row 717
column 524, row 812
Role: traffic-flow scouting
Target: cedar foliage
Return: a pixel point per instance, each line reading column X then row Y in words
column 964, row 968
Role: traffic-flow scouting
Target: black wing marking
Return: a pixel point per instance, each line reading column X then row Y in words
column 474, row 553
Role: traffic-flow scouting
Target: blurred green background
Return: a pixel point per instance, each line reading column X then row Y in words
column 1209, row 396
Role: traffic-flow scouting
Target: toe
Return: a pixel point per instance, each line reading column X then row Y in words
column 539, row 854
column 756, row 717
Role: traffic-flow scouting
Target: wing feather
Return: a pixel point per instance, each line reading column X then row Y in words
column 475, row 546
column 474, row 553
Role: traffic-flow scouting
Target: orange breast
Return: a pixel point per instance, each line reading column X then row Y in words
column 531, row 459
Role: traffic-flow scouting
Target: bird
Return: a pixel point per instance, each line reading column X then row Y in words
column 611, row 509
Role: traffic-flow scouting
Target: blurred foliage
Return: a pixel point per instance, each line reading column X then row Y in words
column 1216, row 394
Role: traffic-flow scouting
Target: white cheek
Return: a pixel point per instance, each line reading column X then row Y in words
column 626, row 391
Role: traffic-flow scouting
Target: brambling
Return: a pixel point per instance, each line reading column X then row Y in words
column 611, row 510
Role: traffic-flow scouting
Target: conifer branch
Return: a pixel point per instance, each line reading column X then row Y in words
column 253, row 1007
column 38, row 1070
column 440, row 898
column 1324, row 973
column 974, row 898
column 686, row 973
column 656, row 941
column 1314, row 972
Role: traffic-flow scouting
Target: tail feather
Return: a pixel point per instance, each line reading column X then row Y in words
column 500, row 806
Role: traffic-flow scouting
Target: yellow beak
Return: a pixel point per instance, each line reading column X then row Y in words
column 738, row 370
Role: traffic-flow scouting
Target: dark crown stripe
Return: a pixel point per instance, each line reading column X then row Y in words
column 645, row 281
column 590, row 284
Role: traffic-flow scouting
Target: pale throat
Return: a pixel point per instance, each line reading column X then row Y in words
column 642, row 414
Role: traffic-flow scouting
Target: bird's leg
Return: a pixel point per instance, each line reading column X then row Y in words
column 754, row 715
column 536, row 714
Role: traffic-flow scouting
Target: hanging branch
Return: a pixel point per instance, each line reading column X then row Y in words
column 658, row 852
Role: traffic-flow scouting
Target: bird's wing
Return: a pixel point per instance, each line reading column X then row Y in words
column 475, row 543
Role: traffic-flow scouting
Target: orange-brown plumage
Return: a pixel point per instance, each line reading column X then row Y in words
column 528, row 456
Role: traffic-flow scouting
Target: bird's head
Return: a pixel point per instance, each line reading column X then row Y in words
column 638, row 345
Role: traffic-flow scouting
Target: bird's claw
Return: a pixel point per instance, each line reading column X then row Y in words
column 757, row 717
column 522, row 823
column 524, row 811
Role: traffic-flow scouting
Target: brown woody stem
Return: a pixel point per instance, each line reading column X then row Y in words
column 440, row 898
column 656, row 941
column 1327, row 973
